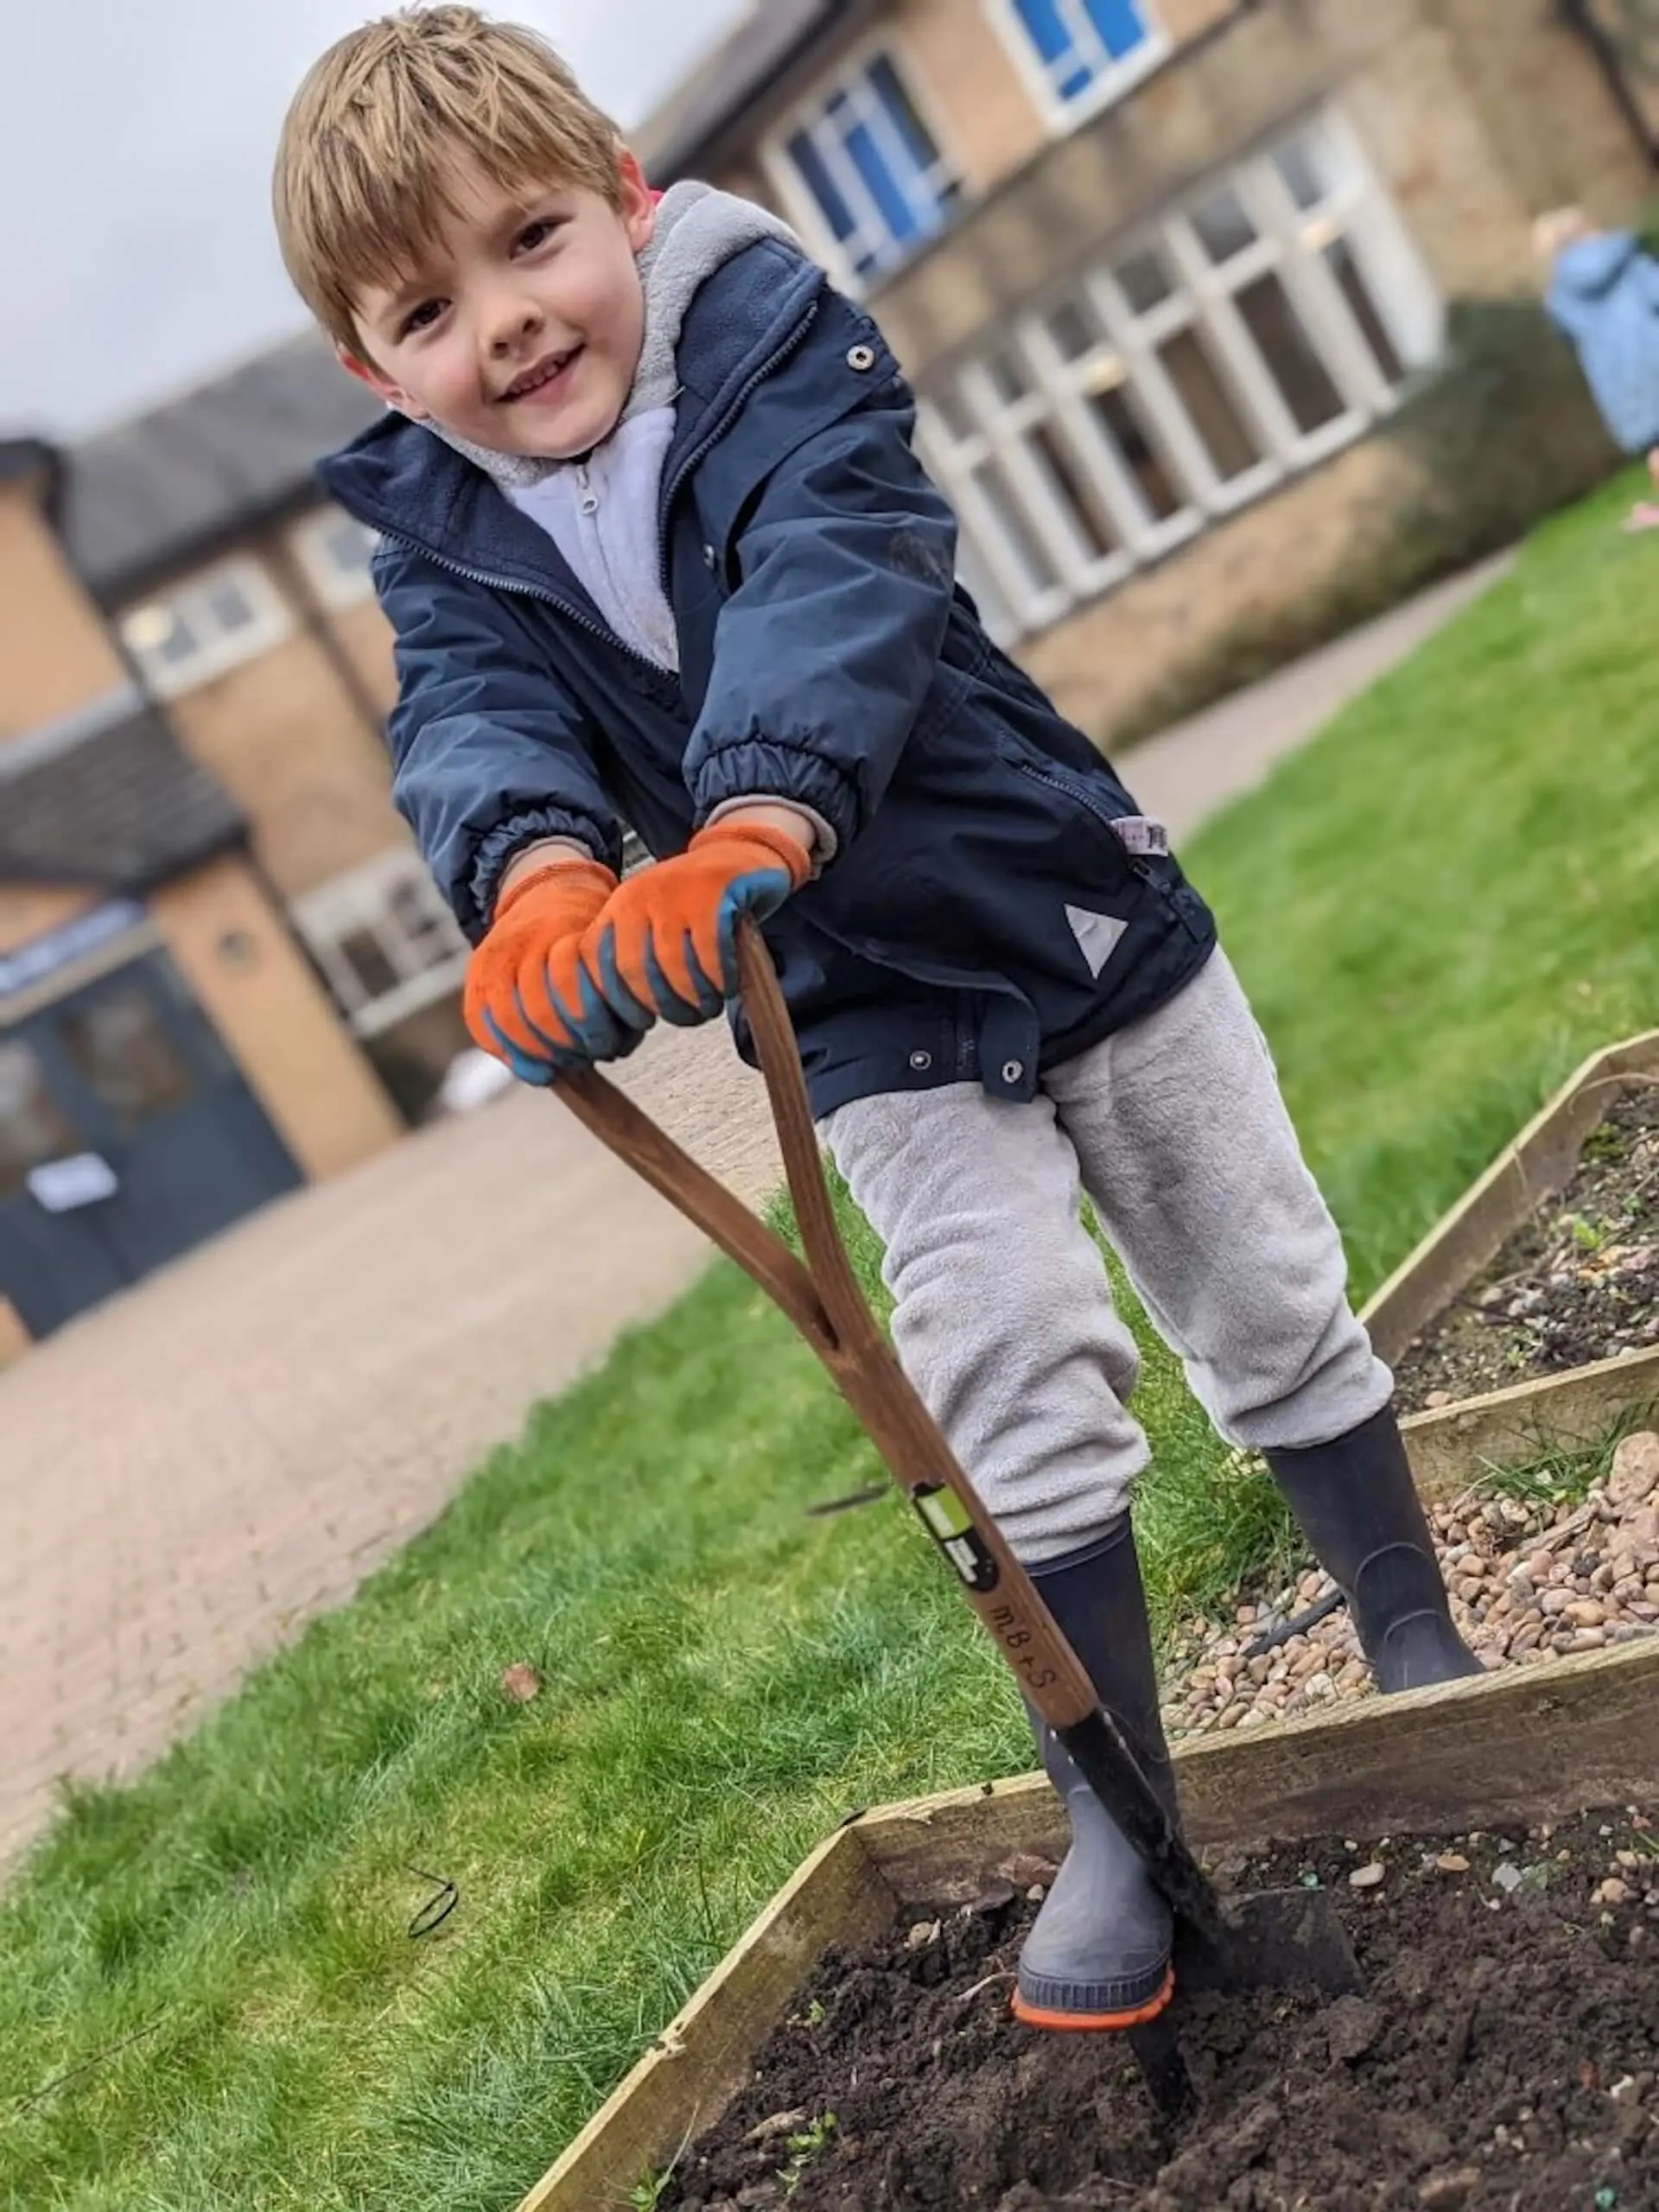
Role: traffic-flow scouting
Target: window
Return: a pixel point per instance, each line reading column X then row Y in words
column 865, row 170
column 1078, row 54
column 1252, row 331
column 385, row 939
column 335, row 550
column 206, row 625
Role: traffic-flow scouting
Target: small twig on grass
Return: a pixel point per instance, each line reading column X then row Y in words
column 873, row 1496
column 438, row 1907
column 709, row 1927
column 86, row 2066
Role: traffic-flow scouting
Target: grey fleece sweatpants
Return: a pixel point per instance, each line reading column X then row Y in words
column 1005, row 1321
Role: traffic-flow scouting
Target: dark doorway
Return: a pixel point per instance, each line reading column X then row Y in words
column 127, row 1135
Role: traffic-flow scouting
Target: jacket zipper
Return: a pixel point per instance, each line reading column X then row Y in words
column 710, row 439
column 526, row 591
column 1074, row 788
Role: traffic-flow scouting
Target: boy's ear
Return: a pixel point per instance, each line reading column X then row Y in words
column 639, row 209
column 376, row 380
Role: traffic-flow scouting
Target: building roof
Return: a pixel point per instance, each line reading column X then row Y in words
column 763, row 47
column 175, row 485
column 34, row 461
column 121, row 805
column 24, row 457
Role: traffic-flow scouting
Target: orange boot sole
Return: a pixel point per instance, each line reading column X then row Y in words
column 1032, row 2016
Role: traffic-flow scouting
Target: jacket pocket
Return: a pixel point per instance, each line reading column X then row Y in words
column 1095, row 807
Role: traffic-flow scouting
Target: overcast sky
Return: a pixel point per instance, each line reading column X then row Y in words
column 136, row 140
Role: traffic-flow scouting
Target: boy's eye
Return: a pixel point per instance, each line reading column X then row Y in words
column 420, row 318
column 537, row 233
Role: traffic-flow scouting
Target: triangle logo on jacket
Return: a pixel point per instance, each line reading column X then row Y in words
column 1098, row 936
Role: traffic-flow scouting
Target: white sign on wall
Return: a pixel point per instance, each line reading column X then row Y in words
column 63, row 1185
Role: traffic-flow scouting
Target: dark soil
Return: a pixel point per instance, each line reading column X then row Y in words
column 1503, row 2059
column 1578, row 1283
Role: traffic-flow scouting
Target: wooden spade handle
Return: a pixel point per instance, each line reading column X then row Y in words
column 826, row 1304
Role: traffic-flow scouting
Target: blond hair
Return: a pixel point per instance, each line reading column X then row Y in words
column 364, row 173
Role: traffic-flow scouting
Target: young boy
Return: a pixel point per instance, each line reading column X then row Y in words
column 657, row 551
column 1603, row 296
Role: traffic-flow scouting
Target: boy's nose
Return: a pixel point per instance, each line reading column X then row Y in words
column 511, row 323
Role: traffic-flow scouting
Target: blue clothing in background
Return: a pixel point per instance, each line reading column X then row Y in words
column 1605, row 295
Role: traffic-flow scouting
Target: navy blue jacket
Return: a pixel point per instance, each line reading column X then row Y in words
column 827, row 656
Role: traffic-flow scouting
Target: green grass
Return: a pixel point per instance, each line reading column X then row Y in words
column 209, row 1997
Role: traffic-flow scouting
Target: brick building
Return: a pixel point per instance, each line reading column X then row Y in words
column 168, row 1057
column 1156, row 268
column 245, row 605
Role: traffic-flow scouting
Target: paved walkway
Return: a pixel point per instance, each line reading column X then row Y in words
column 1187, row 773
column 190, row 1473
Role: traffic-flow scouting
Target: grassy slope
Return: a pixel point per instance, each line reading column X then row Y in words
column 1438, row 909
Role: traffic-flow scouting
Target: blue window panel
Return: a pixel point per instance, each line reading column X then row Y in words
column 901, row 113
column 887, row 190
column 809, row 166
column 1120, row 23
column 1050, row 33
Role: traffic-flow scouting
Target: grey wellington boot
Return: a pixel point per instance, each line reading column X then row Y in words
column 1360, row 1510
column 1098, row 1954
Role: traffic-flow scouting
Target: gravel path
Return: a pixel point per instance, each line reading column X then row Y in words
column 1525, row 1585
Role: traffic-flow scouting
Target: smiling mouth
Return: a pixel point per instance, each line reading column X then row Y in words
column 538, row 375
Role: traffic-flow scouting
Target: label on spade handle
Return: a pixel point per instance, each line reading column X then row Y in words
column 947, row 1521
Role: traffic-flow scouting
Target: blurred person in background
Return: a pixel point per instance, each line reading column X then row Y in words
column 1602, row 294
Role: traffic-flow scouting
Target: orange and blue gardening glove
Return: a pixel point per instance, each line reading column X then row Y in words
column 665, row 947
column 527, row 1000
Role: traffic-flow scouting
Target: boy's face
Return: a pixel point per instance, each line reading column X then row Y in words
column 520, row 328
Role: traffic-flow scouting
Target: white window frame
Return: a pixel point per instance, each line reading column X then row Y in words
column 1290, row 243
column 219, row 649
column 796, row 196
column 1112, row 80
column 362, row 899
column 337, row 588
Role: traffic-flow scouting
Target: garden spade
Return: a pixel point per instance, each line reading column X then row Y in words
column 1277, row 1939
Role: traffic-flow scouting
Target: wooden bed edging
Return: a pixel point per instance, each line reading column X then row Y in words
column 1449, row 1447
column 700, row 2060
column 1536, row 1743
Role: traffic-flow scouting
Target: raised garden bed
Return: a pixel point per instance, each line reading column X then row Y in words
column 1503, row 2055
column 1506, row 2051
column 1508, row 1755
column 1542, row 1381
column 1576, row 1285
